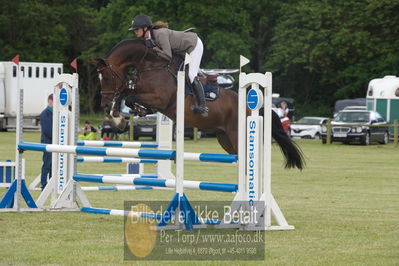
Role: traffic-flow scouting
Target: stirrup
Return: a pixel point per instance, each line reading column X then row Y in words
column 203, row 110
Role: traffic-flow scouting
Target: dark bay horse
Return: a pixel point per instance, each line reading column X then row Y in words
column 156, row 87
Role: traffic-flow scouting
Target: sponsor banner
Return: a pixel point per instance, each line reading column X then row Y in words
column 253, row 158
column 62, row 157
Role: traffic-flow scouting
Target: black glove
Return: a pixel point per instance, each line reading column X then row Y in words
column 150, row 43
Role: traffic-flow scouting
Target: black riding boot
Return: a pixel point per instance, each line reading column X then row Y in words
column 200, row 98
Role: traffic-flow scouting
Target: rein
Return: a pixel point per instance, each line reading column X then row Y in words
column 167, row 67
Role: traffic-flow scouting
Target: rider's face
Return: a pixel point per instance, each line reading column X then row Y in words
column 139, row 32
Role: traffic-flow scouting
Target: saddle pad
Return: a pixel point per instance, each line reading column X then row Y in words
column 212, row 91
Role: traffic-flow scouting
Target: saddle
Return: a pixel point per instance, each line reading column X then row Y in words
column 211, row 79
column 209, row 83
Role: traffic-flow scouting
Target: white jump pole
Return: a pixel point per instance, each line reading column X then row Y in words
column 180, row 128
column 19, row 135
column 267, row 151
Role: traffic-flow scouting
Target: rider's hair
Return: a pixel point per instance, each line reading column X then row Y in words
column 159, row 25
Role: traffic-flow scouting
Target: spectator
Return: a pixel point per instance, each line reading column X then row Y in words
column 284, row 108
column 46, row 123
column 89, row 132
column 108, row 127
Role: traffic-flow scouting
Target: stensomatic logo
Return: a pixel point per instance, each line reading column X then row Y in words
column 64, row 97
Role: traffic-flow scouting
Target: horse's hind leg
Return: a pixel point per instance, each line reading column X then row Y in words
column 226, row 143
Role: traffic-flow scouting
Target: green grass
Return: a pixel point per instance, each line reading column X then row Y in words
column 344, row 205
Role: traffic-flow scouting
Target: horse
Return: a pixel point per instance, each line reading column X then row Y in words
column 155, row 88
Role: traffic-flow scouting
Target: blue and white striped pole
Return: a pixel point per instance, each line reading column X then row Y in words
column 105, row 211
column 94, row 159
column 138, row 214
column 121, row 213
column 149, row 176
column 135, row 153
column 155, row 182
column 121, row 188
column 122, row 144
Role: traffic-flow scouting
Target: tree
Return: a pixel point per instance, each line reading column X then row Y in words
column 325, row 50
column 32, row 29
column 318, row 51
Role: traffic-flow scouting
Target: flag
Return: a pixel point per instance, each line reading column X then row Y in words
column 74, row 64
column 16, row 59
column 243, row 61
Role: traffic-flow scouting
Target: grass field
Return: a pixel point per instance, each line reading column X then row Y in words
column 344, row 205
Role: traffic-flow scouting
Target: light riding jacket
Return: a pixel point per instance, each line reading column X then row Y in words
column 169, row 41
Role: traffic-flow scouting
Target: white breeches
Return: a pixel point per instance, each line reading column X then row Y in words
column 196, row 56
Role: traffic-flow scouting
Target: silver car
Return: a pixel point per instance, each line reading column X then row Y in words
column 311, row 131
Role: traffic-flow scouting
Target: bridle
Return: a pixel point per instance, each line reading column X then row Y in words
column 116, row 92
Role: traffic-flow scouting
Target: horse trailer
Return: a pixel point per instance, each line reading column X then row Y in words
column 37, row 81
column 383, row 97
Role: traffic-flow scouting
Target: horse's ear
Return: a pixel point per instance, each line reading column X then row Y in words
column 99, row 62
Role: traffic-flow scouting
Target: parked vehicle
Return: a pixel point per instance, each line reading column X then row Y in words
column 37, row 80
column 355, row 108
column 383, row 97
column 308, row 131
column 345, row 103
column 360, row 131
column 146, row 126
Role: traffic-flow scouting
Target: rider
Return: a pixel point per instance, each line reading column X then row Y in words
column 165, row 42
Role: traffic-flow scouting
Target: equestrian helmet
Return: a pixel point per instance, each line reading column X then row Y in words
column 140, row 21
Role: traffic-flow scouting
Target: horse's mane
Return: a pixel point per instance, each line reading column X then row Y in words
column 123, row 43
column 130, row 47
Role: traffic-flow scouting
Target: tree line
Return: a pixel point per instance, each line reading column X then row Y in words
column 318, row 51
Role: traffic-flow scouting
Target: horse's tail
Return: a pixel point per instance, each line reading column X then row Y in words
column 292, row 153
